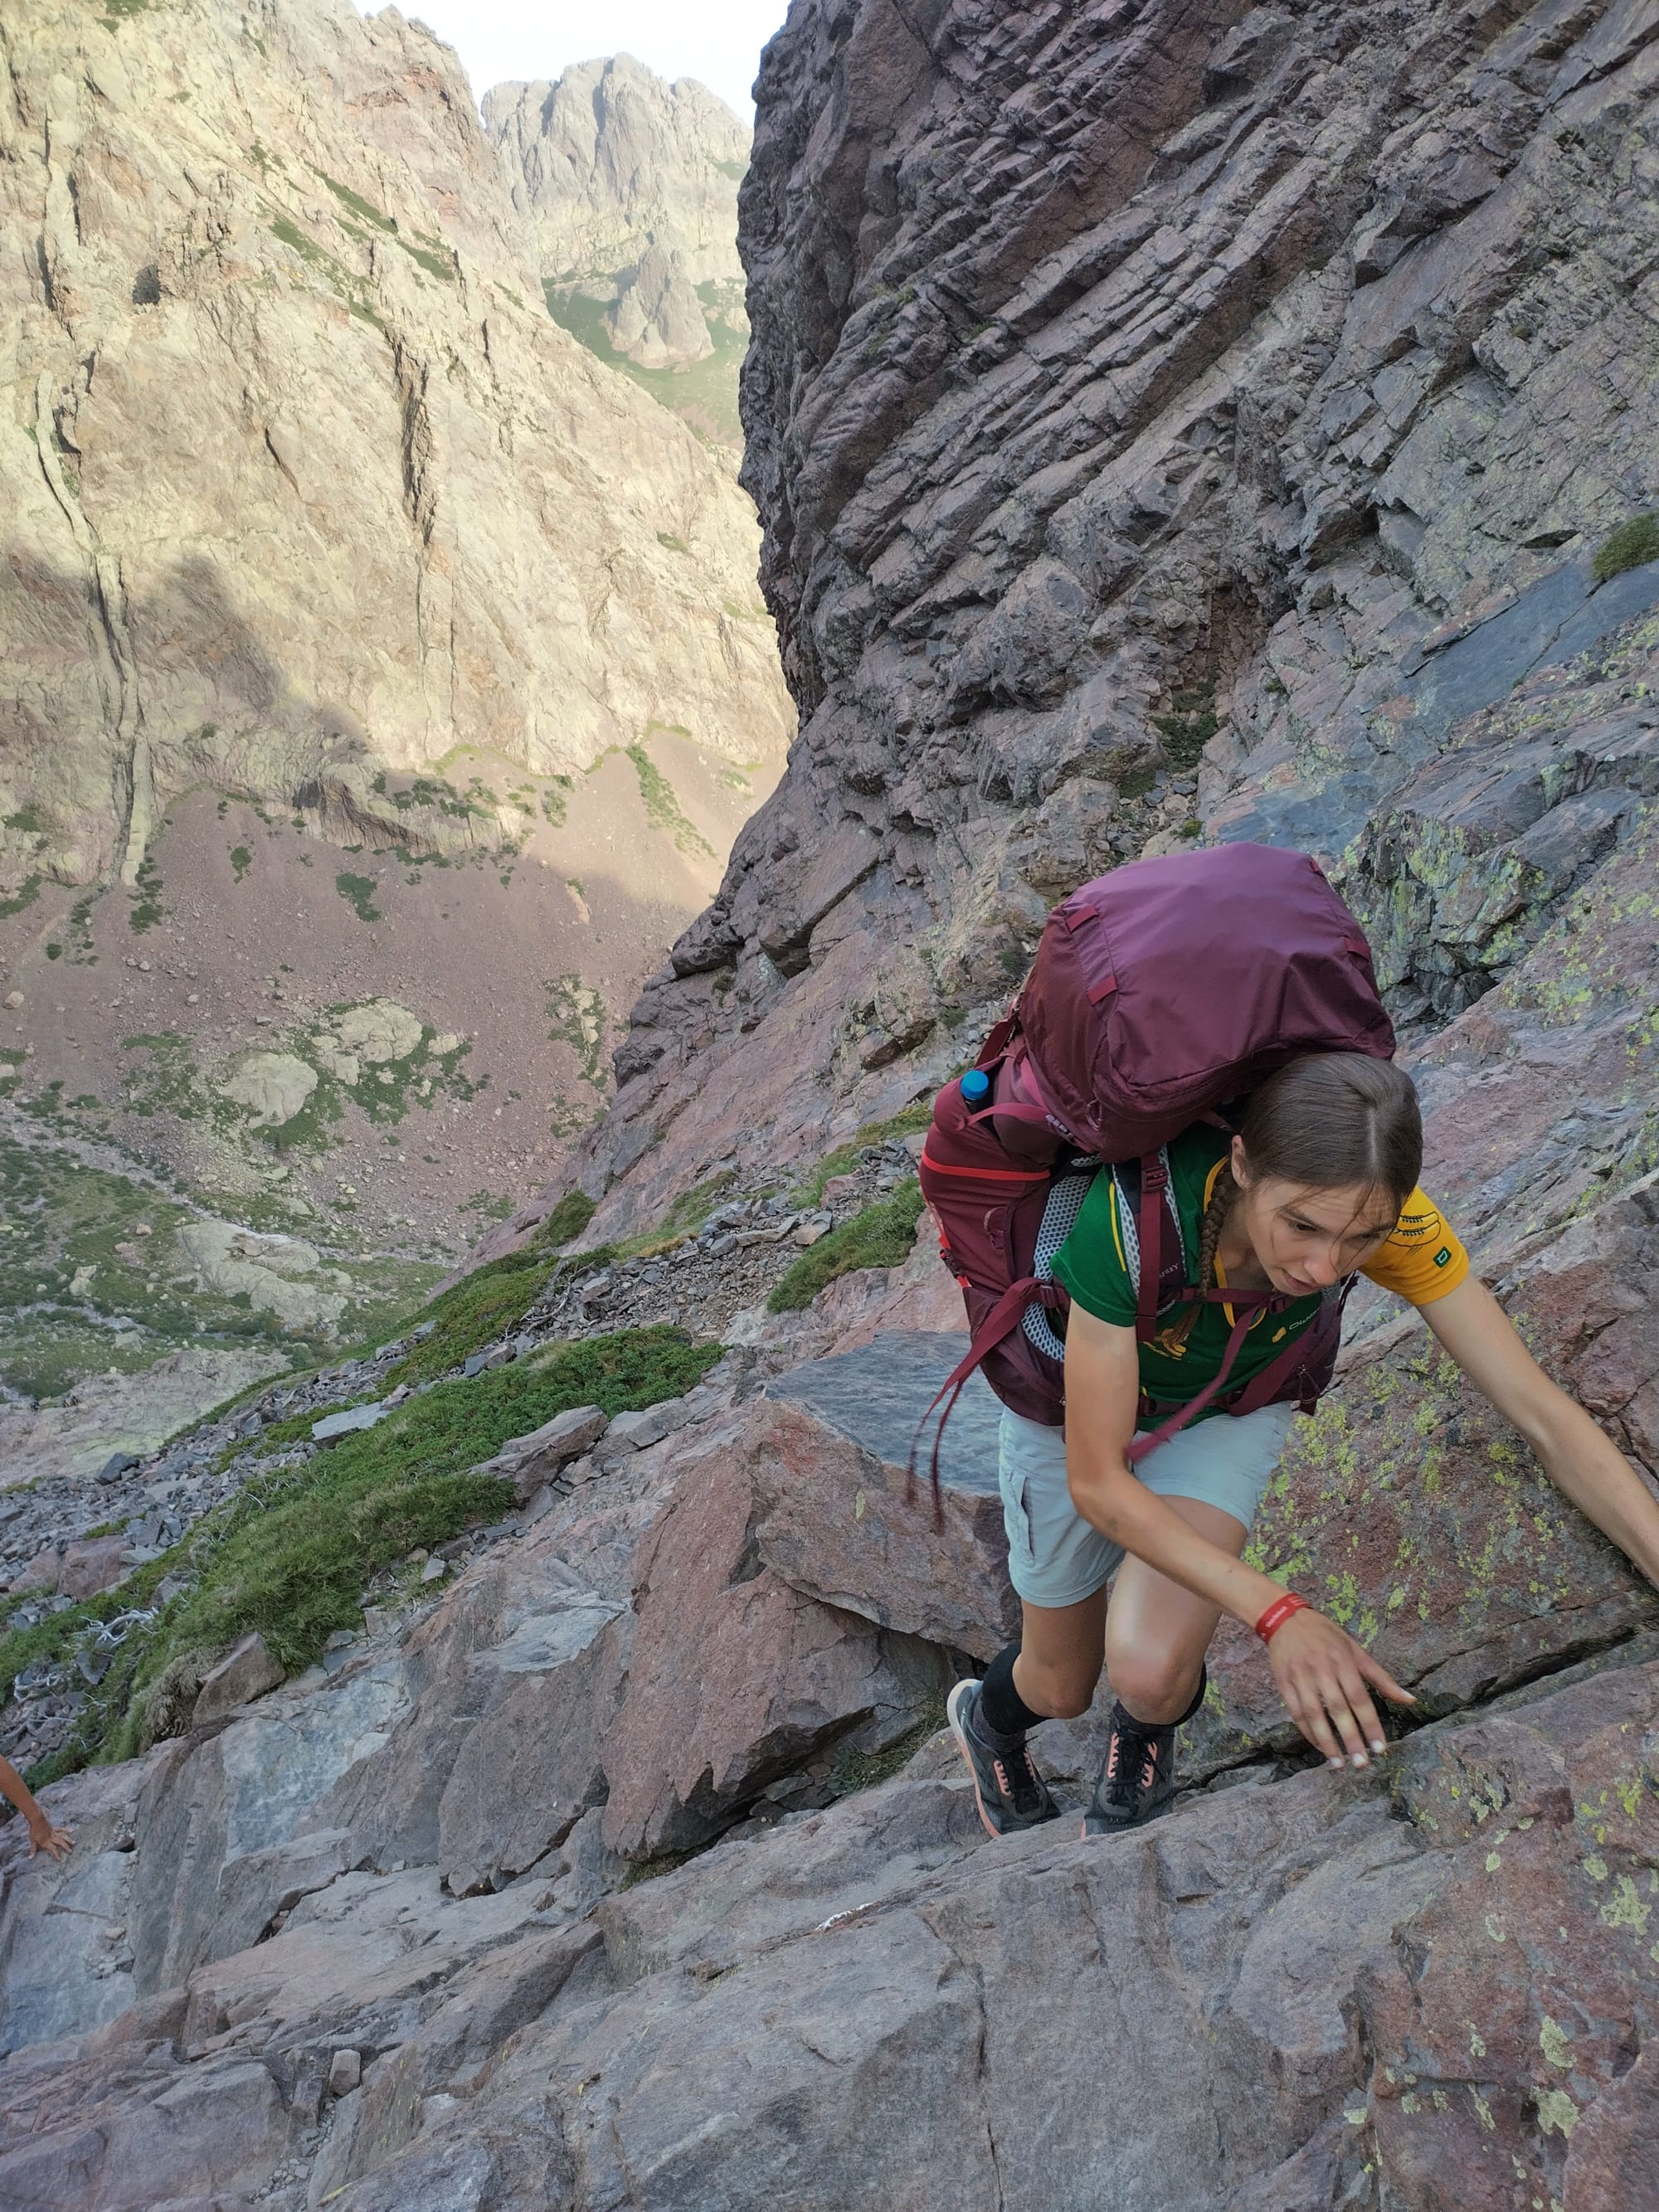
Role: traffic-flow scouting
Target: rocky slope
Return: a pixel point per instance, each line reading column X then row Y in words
column 352, row 618
column 631, row 186
column 1117, row 369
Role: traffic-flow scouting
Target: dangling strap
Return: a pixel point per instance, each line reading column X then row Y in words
column 1003, row 1320
column 1139, row 1446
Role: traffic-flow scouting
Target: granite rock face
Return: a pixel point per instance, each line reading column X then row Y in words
column 301, row 481
column 1168, row 420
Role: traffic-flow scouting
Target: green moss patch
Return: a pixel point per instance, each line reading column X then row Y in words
column 1632, row 545
column 24, row 896
column 358, row 892
column 880, row 1236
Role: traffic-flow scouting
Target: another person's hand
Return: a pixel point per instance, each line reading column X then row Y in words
column 57, row 1843
column 1322, row 1675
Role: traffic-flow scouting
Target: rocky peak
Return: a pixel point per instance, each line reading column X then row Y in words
column 631, row 186
column 610, row 158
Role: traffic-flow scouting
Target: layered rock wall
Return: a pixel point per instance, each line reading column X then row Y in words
column 1169, row 420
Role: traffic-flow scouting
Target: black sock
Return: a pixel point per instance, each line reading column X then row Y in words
column 1003, row 1713
column 1198, row 1699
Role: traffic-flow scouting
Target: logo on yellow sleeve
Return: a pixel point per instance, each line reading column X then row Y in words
column 1418, row 1228
column 1443, row 1257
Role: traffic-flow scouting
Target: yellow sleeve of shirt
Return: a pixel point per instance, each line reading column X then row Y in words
column 1423, row 1259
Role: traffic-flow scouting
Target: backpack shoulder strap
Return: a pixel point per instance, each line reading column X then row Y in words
column 1154, row 1243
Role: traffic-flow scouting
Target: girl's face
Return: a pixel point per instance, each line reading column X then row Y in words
column 1306, row 1240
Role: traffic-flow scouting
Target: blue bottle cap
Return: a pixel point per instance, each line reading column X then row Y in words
column 975, row 1086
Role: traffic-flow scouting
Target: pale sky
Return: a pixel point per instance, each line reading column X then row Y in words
column 719, row 42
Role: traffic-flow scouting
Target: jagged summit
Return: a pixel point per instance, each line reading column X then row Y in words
column 631, row 186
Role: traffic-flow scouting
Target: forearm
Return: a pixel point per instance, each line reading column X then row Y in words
column 1586, row 1468
column 1112, row 1499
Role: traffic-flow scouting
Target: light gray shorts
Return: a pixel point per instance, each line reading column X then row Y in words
column 1055, row 1557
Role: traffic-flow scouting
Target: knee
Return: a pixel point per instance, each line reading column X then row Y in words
column 1061, row 1693
column 1155, row 1686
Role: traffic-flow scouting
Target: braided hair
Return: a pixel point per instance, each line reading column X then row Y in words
column 1330, row 1120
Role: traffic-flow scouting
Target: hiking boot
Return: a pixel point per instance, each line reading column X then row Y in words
column 1011, row 1792
column 1138, row 1775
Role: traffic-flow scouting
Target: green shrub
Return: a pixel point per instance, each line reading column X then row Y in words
column 909, row 1123
column 1632, row 544
column 568, row 1218
column 880, row 1236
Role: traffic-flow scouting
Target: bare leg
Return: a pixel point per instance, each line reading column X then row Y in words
column 1061, row 1651
column 1157, row 1633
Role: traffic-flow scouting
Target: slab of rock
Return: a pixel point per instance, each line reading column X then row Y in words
column 333, row 1426
column 91, row 1564
column 244, row 1674
column 838, row 1516
column 528, row 1462
column 735, row 1679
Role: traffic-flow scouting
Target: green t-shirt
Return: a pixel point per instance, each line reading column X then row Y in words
column 1420, row 1261
column 1093, row 1265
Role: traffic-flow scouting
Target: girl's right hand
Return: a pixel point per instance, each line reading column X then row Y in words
column 1322, row 1675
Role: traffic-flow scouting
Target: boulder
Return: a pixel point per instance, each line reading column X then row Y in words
column 334, row 1425
column 528, row 1462
column 735, row 1679
column 244, row 1674
column 91, row 1564
column 839, row 1516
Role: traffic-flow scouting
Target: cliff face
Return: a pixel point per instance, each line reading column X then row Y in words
column 317, row 533
column 296, row 470
column 1169, row 421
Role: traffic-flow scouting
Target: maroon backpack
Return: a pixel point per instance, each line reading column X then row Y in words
column 1158, row 994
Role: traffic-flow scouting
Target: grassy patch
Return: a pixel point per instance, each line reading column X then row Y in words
column 705, row 394
column 568, row 1218
column 909, row 1123
column 1190, row 727
column 476, row 1311
column 576, row 1016
column 290, row 1554
column 359, row 891
column 1631, row 546
column 662, row 806
column 147, row 908
column 880, row 1236
column 24, row 896
column 241, row 859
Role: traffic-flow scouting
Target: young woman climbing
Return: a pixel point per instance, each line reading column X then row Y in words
column 1319, row 1182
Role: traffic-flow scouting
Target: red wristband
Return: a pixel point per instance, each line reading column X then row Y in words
column 1278, row 1614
